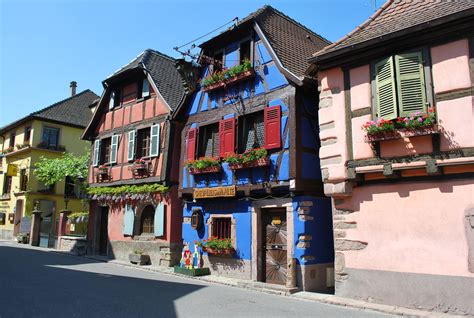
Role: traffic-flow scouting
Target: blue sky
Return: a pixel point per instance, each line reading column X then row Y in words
column 45, row 44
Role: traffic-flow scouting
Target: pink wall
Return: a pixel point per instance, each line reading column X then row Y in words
column 361, row 96
column 115, row 225
column 411, row 227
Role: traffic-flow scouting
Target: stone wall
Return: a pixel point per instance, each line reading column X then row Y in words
column 73, row 244
column 6, row 234
column 161, row 253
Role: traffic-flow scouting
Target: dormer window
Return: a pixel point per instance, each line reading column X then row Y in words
column 129, row 93
column 218, row 62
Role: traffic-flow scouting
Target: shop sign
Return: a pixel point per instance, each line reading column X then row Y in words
column 12, row 170
column 214, row 192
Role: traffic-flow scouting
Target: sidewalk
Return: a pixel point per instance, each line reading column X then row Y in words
column 262, row 287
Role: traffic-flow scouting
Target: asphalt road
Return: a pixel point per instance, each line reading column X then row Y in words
column 39, row 283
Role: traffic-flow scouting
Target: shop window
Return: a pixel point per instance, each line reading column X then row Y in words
column 50, row 137
column 221, row 227
column 147, row 221
column 143, row 143
column 23, row 180
column 27, row 137
column 252, row 131
column 244, row 51
column 208, row 143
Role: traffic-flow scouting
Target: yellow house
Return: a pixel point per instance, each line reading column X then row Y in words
column 48, row 132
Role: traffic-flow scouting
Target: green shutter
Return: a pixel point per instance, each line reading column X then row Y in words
column 410, row 83
column 95, row 160
column 131, row 145
column 159, row 222
column 155, row 140
column 385, row 89
column 128, row 220
column 114, row 148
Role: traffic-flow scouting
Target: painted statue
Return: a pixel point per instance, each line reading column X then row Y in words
column 186, row 257
column 197, row 260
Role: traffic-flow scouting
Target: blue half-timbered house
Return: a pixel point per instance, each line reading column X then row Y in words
column 249, row 172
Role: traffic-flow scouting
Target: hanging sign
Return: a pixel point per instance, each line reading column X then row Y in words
column 12, row 170
column 214, row 192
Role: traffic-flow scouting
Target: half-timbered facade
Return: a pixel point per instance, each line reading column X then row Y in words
column 134, row 190
column 396, row 116
column 248, row 157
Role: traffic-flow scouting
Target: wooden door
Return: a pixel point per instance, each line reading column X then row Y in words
column 104, row 231
column 17, row 217
column 274, row 246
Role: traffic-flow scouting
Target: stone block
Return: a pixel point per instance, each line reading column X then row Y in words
column 303, row 210
column 345, row 225
column 349, row 245
column 303, row 245
column 305, row 237
column 305, row 218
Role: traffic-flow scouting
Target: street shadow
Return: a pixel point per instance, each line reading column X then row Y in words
column 34, row 284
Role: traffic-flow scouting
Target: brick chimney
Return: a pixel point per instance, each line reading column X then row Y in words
column 73, row 86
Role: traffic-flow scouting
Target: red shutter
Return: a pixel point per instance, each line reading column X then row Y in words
column 191, row 148
column 272, row 127
column 226, row 136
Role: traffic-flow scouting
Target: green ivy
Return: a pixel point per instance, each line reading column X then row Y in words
column 128, row 189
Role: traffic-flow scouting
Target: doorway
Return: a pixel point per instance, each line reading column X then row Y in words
column 104, row 230
column 274, row 246
column 17, row 217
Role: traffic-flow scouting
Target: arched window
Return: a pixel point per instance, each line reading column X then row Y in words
column 148, row 220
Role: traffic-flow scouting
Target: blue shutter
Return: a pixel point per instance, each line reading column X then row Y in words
column 114, row 148
column 155, row 140
column 131, row 145
column 128, row 220
column 95, row 160
column 146, row 88
column 159, row 219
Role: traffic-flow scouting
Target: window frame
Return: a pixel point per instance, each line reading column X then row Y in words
column 7, row 184
column 23, row 180
column 104, row 154
column 143, row 145
column 12, row 139
column 47, row 144
column 200, row 151
column 143, row 217
column 27, row 133
column 428, row 78
column 241, row 125
column 233, row 228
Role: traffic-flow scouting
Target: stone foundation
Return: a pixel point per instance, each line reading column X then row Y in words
column 228, row 267
column 316, row 278
column 73, row 244
column 161, row 253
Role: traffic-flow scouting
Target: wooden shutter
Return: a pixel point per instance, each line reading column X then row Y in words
column 112, row 100
column 113, row 148
column 226, row 136
column 159, row 225
column 155, row 140
column 272, row 123
column 191, row 147
column 410, row 83
column 95, row 160
column 385, row 89
column 131, row 145
column 145, row 88
column 128, row 220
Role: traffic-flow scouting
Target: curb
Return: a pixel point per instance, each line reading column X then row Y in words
column 243, row 284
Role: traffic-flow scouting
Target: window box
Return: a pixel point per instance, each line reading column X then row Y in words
column 222, row 252
column 103, row 174
column 213, row 169
column 227, row 77
column 403, row 133
column 140, row 168
column 230, row 81
column 262, row 162
column 43, row 145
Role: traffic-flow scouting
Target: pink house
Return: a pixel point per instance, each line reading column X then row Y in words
column 396, row 117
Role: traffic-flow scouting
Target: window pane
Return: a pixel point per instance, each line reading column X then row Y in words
column 221, row 228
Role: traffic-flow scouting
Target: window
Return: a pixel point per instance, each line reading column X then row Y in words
column 7, row 184
column 27, row 137
column 208, row 144
column 244, row 52
column 221, row 227
column 23, row 180
column 143, row 143
column 399, row 86
column 70, row 188
column 147, row 224
column 12, row 139
column 252, row 132
column 50, row 136
column 43, row 188
column 129, row 93
column 105, row 151
column 218, row 62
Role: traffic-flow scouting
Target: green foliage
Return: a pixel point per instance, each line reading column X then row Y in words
column 217, row 243
column 229, row 73
column 74, row 215
column 202, row 163
column 50, row 171
column 128, row 189
column 248, row 156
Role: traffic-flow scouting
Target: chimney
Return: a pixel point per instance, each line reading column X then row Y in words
column 73, row 86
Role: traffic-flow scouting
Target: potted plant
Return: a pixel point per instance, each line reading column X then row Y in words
column 204, row 165
column 249, row 159
column 8, row 150
column 220, row 247
column 417, row 121
column 138, row 257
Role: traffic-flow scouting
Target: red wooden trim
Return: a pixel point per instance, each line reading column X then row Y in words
column 272, row 124
column 226, row 136
column 191, row 147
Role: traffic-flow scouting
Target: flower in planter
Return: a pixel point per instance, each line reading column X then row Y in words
column 227, row 74
column 202, row 163
column 417, row 120
column 378, row 127
column 140, row 161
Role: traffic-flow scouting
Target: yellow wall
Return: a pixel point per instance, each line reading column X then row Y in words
column 26, row 158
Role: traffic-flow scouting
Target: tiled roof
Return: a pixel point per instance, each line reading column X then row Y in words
column 164, row 72
column 292, row 42
column 70, row 111
column 397, row 15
